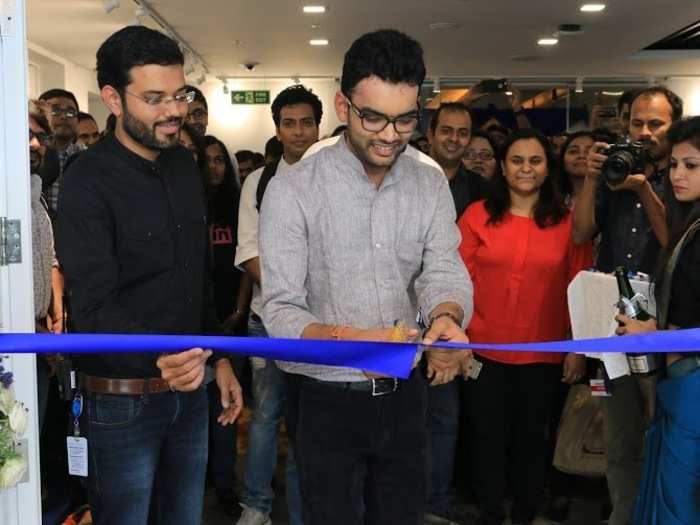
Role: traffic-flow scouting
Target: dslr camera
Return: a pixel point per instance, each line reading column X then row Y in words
column 623, row 160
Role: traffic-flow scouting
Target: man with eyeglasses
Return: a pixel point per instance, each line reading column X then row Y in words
column 61, row 109
column 198, row 111
column 134, row 243
column 356, row 242
column 449, row 134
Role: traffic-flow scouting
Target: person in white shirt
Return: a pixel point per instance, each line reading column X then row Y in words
column 297, row 113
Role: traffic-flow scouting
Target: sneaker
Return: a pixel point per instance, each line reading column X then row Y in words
column 451, row 517
column 253, row 516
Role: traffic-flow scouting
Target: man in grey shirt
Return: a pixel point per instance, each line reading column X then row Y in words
column 352, row 239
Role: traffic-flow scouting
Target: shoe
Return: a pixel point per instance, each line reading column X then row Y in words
column 452, row 516
column 251, row 516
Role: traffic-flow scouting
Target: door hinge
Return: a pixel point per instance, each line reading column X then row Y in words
column 10, row 241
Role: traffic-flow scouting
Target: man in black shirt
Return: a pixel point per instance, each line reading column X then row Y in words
column 134, row 247
column 631, row 219
column 449, row 135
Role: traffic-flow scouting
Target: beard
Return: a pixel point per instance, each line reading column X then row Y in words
column 141, row 133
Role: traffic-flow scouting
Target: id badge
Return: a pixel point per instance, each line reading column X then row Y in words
column 598, row 388
column 77, row 456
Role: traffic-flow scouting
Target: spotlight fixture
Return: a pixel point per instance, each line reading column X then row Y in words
column 225, row 88
column 296, row 80
column 314, row 9
column 548, row 41
column 579, row 85
column 110, row 5
column 592, row 8
column 202, row 79
column 189, row 68
column 318, row 42
column 436, row 85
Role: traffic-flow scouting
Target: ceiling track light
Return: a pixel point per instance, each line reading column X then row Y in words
column 314, row 9
column 436, row 85
column 579, row 85
column 548, row 41
column 592, row 8
column 201, row 80
column 110, row 5
column 225, row 86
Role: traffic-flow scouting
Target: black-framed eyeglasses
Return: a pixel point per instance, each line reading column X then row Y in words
column 481, row 155
column 375, row 122
column 68, row 112
column 43, row 138
column 158, row 100
column 197, row 114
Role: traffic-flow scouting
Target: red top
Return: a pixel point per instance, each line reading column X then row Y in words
column 520, row 273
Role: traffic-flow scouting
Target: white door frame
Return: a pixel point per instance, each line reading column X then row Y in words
column 20, row 505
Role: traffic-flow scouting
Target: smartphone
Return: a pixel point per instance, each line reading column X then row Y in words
column 494, row 85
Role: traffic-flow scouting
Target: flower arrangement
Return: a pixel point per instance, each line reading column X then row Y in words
column 13, row 423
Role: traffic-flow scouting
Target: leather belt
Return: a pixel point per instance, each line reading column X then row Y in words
column 134, row 387
column 376, row 387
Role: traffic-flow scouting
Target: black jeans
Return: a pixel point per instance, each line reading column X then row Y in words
column 361, row 459
column 509, row 408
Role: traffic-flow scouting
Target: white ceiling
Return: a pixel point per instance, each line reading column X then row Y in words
column 276, row 33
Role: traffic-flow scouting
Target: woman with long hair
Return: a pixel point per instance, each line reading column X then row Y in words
column 518, row 248
column 572, row 162
column 670, row 488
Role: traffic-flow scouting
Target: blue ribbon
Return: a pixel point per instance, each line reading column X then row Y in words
column 394, row 359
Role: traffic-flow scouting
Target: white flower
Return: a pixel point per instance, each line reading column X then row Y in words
column 7, row 399
column 18, row 419
column 12, row 471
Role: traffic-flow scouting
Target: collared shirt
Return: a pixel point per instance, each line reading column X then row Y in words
column 467, row 186
column 134, row 246
column 248, row 217
column 63, row 155
column 336, row 250
column 627, row 237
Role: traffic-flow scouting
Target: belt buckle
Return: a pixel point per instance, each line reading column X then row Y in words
column 381, row 391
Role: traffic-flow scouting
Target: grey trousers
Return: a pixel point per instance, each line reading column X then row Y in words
column 626, row 415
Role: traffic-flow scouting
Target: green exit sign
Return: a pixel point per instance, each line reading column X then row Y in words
column 250, row 97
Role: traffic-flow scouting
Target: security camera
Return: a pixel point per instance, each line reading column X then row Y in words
column 250, row 66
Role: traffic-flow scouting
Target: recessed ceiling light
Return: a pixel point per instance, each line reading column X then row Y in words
column 548, row 41
column 318, row 42
column 314, row 9
column 442, row 26
column 592, row 8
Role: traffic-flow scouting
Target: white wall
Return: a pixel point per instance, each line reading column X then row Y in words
column 54, row 71
column 688, row 88
column 250, row 126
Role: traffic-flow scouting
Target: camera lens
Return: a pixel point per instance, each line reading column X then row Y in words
column 617, row 167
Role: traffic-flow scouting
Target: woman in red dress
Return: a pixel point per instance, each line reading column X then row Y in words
column 518, row 248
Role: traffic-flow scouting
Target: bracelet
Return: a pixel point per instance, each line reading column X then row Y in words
column 444, row 314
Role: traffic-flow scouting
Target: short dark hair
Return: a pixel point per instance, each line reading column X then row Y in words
column 387, row 54
column 198, row 95
column 36, row 114
column 258, row 160
column 85, row 116
column 59, row 93
column 273, row 148
column 130, row 47
column 244, row 155
column 550, row 208
column 448, row 106
column 626, row 98
column 673, row 99
column 297, row 94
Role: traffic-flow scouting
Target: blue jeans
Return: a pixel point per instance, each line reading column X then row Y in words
column 147, row 456
column 261, row 456
column 443, row 425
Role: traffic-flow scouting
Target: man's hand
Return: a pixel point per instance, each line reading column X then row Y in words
column 629, row 326
column 633, row 183
column 376, row 334
column 235, row 323
column 231, row 393
column 445, row 364
column 595, row 159
column 184, row 371
column 574, row 368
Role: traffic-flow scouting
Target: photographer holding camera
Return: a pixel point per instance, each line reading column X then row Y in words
column 622, row 199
